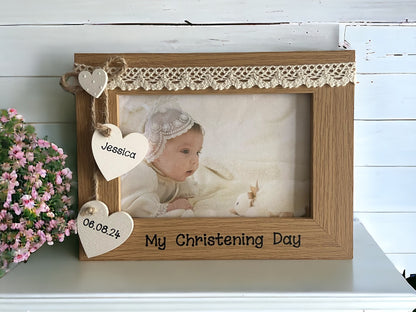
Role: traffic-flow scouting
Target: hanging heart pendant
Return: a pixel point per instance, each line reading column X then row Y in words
column 116, row 155
column 100, row 233
column 94, row 83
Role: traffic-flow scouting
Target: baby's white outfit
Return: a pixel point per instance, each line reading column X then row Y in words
column 148, row 192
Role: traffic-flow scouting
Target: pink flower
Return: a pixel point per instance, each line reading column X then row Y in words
column 27, row 189
column 39, row 224
column 60, row 189
column 67, row 173
column 28, row 233
column 13, row 175
column 22, row 162
column 30, row 156
column 42, row 236
column 53, row 224
column 49, row 239
column 34, row 193
column 17, row 226
column 3, row 247
column 19, row 138
column 39, row 170
column 42, row 208
column 43, row 143
column 22, row 255
column 36, row 247
column 54, row 147
column 16, row 209
column 16, row 152
column 72, row 224
column 67, row 187
column 28, row 201
column 58, row 179
column 16, row 243
column 5, row 176
column 66, row 200
column 38, row 183
column 46, row 196
column 61, row 237
column 12, row 112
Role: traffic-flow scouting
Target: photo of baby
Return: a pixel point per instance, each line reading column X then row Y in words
column 218, row 155
column 159, row 186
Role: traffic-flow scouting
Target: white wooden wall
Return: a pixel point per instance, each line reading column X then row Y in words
column 38, row 40
column 385, row 137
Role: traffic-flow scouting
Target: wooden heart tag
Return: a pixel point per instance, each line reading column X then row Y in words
column 100, row 233
column 116, row 155
column 94, row 83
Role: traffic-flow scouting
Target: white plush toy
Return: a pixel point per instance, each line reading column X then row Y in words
column 273, row 199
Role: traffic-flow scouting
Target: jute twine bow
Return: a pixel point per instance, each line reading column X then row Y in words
column 120, row 65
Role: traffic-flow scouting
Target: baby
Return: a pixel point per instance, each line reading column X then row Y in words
column 161, row 185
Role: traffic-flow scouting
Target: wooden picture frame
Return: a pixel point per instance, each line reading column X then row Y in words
column 326, row 233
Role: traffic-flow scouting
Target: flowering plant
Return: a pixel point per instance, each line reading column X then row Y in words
column 34, row 191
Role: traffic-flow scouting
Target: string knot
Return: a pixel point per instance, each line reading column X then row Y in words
column 117, row 62
column 103, row 129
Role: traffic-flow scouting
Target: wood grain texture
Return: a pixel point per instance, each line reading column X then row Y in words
column 210, row 12
column 332, row 159
column 327, row 234
column 221, row 59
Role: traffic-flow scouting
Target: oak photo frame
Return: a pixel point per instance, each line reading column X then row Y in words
column 325, row 233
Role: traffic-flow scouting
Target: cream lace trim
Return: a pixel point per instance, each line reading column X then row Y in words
column 222, row 78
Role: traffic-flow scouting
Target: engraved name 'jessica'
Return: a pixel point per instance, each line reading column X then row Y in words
column 118, row 150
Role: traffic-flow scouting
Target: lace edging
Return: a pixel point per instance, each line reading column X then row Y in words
column 238, row 77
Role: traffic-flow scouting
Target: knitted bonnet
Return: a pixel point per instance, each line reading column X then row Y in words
column 163, row 123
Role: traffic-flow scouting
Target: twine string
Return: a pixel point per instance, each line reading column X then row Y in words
column 114, row 67
column 117, row 62
column 120, row 65
column 64, row 82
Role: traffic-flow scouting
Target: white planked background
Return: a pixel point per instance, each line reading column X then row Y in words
column 385, row 137
column 38, row 40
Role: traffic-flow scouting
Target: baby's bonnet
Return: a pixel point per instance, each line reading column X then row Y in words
column 165, row 122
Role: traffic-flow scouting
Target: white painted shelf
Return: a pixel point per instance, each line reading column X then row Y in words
column 54, row 280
